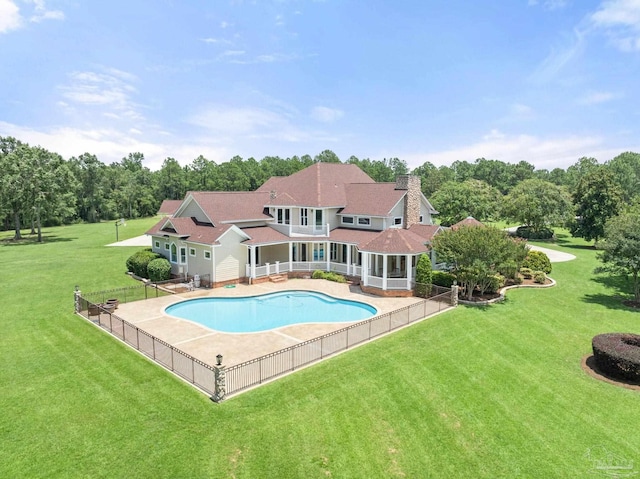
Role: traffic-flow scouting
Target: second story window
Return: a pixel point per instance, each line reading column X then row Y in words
column 364, row 221
column 304, row 216
column 283, row 216
column 347, row 220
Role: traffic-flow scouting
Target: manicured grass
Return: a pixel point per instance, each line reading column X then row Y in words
column 494, row 392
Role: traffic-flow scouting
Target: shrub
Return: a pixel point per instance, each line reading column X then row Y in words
column 137, row 262
column 424, row 276
column 528, row 233
column 526, row 273
column 509, row 269
column 442, row 278
column 495, row 282
column 539, row 277
column 159, row 269
column 537, row 261
column 618, row 355
column 329, row 276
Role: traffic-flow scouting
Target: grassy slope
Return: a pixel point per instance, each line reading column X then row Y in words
column 495, row 392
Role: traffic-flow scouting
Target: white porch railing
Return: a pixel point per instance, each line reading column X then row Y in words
column 338, row 267
column 309, row 230
column 396, row 283
column 374, row 281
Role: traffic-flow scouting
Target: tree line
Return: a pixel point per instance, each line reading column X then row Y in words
column 41, row 188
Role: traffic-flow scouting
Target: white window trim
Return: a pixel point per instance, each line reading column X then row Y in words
column 166, row 246
column 157, row 243
column 396, row 222
column 346, row 222
column 192, row 251
column 180, row 261
column 207, row 254
column 366, row 219
column 171, row 260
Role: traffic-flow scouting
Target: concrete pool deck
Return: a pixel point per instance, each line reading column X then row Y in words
column 204, row 343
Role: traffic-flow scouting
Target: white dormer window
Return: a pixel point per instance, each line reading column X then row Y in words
column 347, row 220
column 283, row 216
column 364, row 221
column 397, row 221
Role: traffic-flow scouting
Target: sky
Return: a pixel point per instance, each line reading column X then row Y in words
column 544, row 81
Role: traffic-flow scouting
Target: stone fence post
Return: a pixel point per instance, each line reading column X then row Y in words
column 77, row 300
column 454, row 295
column 220, row 380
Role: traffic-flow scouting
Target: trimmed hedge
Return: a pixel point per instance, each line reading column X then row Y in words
column 526, row 273
column 496, row 281
column 137, row 263
column 539, row 277
column 618, row 355
column 537, row 261
column 329, row 276
column 159, row 269
column 528, row 233
column 442, row 278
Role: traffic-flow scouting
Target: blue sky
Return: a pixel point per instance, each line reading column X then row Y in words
column 545, row 81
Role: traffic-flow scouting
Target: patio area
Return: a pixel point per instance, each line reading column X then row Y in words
column 204, row 343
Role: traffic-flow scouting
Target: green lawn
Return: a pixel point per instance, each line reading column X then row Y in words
column 494, row 392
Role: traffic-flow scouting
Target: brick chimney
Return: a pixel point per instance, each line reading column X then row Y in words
column 410, row 183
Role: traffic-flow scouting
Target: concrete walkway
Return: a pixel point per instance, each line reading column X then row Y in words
column 554, row 255
column 143, row 240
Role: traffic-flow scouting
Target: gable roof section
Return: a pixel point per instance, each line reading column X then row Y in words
column 396, row 241
column 319, row 185
column 373, row 199
column 237, row 206
column 190, row 230
column 169, row 207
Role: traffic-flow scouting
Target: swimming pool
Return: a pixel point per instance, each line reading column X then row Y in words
column 250, row 314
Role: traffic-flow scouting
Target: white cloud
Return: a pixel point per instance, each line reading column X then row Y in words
column 111, row 145
column 110, row 88
column 549, row 153
column 325, row 114
column 593, row 98
column 620, row 19
column 551, row 66
column 549, row 4
column 10, row 18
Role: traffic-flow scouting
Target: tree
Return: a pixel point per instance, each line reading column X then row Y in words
column 14, row 180
column 476, row 254
column 424, row 276
column 90, row 175
column 621, row 248
column 578, row 170
column 327, row 156
column 456, row 201
column 171, row 180
column 597, row 198
column 626, row 170
column 538, row 203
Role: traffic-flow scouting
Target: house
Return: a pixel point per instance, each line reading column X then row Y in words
column 329, row 216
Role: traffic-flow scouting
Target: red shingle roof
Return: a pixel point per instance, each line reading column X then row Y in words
column 427, row 232
column 374, row 199
column 396, row 241
column 187, row 228
column 169, row 207
column 222, row 206
column 468, row 221
column 319, row 185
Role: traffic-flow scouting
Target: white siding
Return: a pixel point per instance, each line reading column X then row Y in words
column 230, row 257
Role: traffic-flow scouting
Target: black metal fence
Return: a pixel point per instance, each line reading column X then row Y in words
column 184, row 365
column 256, row 371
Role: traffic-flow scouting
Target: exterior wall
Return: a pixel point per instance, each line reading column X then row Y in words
column 194, row 210
column 230, row 258
column 251, row 224
column 161, row 249
column 424, row 212
column 396, row 212
column 375, row 223
column 198, row 264
column 331, row 217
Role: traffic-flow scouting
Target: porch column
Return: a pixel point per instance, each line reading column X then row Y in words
column 407, row 263
column 384, row 272
column 252, row 250
column 348, row 260
column 363, row 268
column 327, row 253
column 290, row 256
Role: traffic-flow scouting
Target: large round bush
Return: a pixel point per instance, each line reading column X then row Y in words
column 537, row 261
column 442, row 278
column 137, row 263
column 529, row 233
column 618, row 355
column 159, row 269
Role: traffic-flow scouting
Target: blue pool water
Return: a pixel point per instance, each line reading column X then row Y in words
column 269, row 311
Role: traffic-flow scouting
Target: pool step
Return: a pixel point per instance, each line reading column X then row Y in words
column 277, row 278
